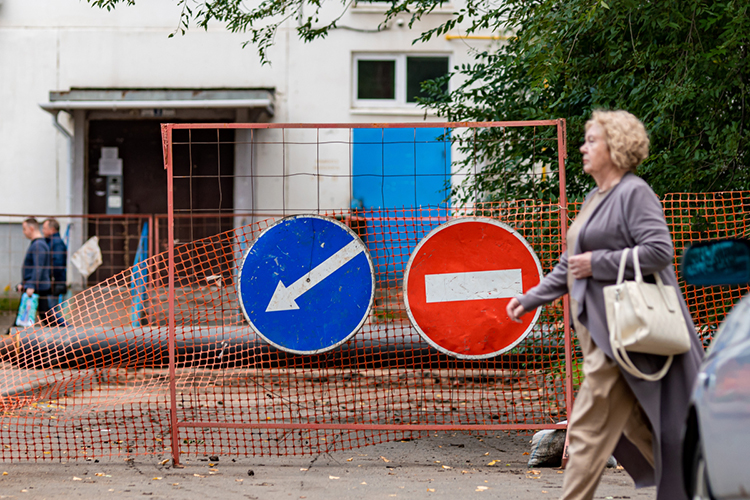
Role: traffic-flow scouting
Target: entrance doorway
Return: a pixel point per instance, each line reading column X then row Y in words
column 203, row 170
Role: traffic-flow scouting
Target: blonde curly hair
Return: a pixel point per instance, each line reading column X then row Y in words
column 625, row 136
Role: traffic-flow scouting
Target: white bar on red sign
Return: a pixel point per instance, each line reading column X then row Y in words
column 479, row 285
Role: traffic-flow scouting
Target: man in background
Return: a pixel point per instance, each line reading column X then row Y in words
column 36, row 268
column 59, row 262
column 58, row 255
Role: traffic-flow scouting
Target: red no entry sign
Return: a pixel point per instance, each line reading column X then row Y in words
column 458, row 282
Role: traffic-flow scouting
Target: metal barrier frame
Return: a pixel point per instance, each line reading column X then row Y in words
column 167, row 145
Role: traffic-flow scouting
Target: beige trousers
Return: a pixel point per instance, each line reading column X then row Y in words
column 604, row 410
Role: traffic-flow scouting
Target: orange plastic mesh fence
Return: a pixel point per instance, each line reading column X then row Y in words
column 99, row 386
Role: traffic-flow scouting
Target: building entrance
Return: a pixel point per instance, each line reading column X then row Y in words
column 130, row 179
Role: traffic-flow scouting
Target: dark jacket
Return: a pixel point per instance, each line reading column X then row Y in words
column 59, row 256
column 630, row 215
column 36, row 267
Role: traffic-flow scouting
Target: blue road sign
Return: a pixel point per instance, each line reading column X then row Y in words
column 307, row 284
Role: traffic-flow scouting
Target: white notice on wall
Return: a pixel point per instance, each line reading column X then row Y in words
column 114, row 201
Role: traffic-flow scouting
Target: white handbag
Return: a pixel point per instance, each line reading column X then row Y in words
column 643, row 317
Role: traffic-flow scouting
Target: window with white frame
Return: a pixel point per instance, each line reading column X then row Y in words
column 393, row 80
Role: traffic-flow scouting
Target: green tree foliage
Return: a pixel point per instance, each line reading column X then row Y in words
column 260, row 20
column 680, row 66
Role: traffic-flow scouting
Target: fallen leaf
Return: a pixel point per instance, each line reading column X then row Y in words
column 486, row 453
column 175, row 484
column 198, row 475
column 156, row 478
column 164, row 462
column 493, row 462
column 544, row 491
column 430, row 490
column 99, row 474
column 481, row 488
column 5, row 473
column 385, row 459
column 76, row 478
column 303, row 470
column 333, row 477
column 561, row 472
column 349, row 459
column 446, row 467
column 239, row 480
column 525, row 452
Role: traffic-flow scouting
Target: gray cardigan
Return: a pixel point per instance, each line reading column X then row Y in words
column 630, row 215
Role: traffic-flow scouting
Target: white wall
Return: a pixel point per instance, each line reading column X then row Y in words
column 59, row 44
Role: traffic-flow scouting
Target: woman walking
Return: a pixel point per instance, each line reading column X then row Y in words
column 639, row 421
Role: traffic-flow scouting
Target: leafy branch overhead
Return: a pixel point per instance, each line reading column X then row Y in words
column 262, row 20
column 680, row 66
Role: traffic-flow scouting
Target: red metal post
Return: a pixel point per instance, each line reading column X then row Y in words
column 151, row 271
column 212, row 126
column 562, row 154
column 372, row 427
column 151, row 252
column 156, row 234
column 175, row 431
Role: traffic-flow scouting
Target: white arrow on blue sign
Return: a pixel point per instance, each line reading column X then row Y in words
column 307, row 284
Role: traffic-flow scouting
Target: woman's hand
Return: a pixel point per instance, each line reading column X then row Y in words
column 580, row 265
column 515, row 310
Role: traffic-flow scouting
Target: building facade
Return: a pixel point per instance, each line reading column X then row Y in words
column 83, row 92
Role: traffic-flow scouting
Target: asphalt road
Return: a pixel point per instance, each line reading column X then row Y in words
column 442, row 466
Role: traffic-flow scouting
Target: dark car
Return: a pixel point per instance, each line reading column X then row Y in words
column 716, row 448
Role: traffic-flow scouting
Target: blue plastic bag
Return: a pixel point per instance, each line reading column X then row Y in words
column 27, row 310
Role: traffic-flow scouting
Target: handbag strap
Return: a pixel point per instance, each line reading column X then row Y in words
column 621, row 354
column 621, row 270
column 637, row 266
column 659, row 282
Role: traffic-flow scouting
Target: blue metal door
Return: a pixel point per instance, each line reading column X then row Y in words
column 401, row 177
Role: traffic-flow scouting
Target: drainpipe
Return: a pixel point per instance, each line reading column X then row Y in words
column 71, row 153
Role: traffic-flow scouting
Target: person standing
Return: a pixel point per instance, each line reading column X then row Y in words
column 36, row 268
column 639, row 421
column 58, row 256
column 59, row 263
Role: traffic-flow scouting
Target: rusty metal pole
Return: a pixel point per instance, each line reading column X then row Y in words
column 562, row 154
column 174, row 429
